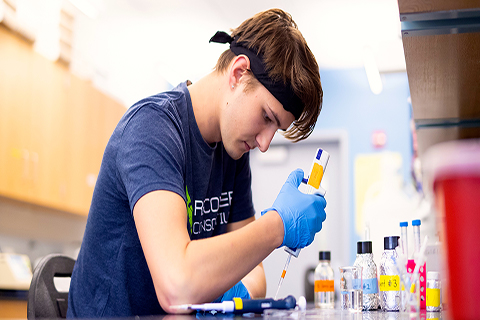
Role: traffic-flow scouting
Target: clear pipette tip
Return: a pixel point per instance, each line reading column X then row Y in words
column 283, row 275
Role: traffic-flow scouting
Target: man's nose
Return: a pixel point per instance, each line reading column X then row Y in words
column 264, row 138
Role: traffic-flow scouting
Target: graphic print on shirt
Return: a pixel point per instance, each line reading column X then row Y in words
column 208, row 213
column 189, row 210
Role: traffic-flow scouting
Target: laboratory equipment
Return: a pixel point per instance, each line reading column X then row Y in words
column 15, row 271
column 317, row 170
column 404, row 253
column 409, row 298
column 452, row 172
column 404, row 238
column 422, row 268
column 390, row 297
column 324, row 282
column 284, row 272
column 369, row 275
column 418, row 277
column 433, row 291
column 240, row 306
column 351, row 291
column 416, row 235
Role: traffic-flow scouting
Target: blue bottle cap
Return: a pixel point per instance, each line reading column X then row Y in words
column 404, row 224
column 416, row 222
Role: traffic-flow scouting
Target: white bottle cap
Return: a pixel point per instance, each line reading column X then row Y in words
column 433, row 275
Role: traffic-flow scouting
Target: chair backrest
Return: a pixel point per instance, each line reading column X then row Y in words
column 44, row 300
column 309, row 284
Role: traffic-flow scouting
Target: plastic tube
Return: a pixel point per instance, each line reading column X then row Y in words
column 416, row 235
column 404, row 238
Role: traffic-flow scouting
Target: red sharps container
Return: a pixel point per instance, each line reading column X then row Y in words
column 452, row 173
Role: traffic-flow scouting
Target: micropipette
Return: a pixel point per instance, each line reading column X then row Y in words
column 240, row 306
column 313, row 186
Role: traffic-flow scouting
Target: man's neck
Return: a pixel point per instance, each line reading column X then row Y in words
column 206, row 95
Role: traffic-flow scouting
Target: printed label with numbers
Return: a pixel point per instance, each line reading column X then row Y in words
column 389, row 283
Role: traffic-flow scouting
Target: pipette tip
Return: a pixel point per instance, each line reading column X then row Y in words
column 181, row 307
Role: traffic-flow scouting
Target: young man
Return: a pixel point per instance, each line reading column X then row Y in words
column 172, row 219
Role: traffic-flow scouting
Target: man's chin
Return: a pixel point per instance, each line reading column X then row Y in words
column 234, row 154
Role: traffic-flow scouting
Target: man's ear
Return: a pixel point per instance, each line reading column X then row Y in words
column 239, row 66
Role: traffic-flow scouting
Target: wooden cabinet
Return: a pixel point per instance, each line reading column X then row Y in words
column 421, row 6
column 15, row 81
column 441, row 41
column 53, row 129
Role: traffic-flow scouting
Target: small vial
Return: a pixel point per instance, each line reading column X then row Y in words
column 324, row 282
column 433, row 291
column 369, row 275
column 390, row 294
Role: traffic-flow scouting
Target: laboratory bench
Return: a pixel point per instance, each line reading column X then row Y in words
column 308, row 314
column 313, row 314
column 13, row 304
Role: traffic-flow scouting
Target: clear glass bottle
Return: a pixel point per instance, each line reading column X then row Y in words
column 369, row 275
column 324, row 282
column 390, row 294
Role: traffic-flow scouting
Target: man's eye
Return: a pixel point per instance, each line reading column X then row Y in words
column 267, row 119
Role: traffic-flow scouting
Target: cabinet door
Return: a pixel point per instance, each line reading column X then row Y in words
column 53, row 130
column 15, row 116
column 76, row 149
column 48, row 109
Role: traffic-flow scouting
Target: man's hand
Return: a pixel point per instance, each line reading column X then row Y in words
column 302, row 214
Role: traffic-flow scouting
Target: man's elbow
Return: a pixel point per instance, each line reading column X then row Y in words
column 174, row 291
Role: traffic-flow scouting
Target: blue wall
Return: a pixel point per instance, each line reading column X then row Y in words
column 349, row 104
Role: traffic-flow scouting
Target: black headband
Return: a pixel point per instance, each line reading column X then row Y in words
column 281, row 91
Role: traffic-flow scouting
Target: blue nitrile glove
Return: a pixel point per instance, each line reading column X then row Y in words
column 237, row 291
column 302, row 214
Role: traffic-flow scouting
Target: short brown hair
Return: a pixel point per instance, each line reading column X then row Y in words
column 287, row 57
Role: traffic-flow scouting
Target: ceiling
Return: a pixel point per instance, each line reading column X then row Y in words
column 133, row 48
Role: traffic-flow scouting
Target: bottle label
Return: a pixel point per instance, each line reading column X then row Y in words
column 324, row 286
column 370, row 285
column 389, row 283
column 357, row 284
column 433, row 297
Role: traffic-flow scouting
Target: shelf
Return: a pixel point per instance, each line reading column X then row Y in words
column 415, row 6
column 441, row 41
column 444, row 75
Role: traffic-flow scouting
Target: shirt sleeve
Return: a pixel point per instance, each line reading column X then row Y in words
column 242, row 203
column 151, row 154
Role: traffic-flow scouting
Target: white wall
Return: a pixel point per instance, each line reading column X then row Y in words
column 37, row 231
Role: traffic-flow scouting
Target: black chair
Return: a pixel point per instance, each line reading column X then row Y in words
column 44, row 301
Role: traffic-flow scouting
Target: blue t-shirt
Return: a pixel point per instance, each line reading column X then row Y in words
column 157, row 145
